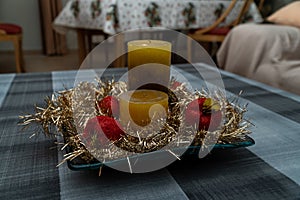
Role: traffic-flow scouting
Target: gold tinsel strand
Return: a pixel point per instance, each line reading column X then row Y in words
column 77, row 105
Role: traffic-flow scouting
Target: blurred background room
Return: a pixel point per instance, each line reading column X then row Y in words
column 45, row 49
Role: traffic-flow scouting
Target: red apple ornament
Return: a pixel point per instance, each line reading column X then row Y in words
column 109, row 105
column 204, row 113
column 101, row 128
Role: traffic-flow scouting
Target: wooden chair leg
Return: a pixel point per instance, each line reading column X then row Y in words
column 18, row 54
column 89, row 41
column 106, row 48
column 189, row 49
column 120, row 61
column 82, row 51
column 261, row 5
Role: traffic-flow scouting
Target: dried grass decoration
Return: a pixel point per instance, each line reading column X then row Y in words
column 103, row 99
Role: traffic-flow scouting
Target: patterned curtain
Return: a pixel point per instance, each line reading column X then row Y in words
column 53, row 43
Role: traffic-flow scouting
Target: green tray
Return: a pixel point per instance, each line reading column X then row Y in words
column 79, row 164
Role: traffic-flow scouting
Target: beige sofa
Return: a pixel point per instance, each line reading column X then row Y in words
column 264, row 52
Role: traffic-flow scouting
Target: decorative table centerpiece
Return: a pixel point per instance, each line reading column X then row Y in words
column 151, row 113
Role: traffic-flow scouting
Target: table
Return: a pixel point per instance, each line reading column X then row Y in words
column 113, row 16
column 109, row 17
column 268, row 170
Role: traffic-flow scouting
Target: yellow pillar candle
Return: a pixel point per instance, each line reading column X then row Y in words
column 142, row 106
column 154, row 58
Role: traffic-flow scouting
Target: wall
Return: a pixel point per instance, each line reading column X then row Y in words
column 26, row 14
column 279, row 3
column 270, row 6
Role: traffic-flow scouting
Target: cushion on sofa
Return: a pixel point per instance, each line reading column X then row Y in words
column 287, row 15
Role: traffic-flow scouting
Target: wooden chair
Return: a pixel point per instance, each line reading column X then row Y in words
column 215, row 33
column 13, row 33
column 261, row 5
column 85, row 43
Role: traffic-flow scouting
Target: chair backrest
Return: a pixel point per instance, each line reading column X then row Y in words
column 243, row 10
column 261, row 5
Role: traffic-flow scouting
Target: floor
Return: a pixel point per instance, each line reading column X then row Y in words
column 38, row 62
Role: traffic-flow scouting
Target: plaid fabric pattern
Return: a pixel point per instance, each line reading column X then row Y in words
column 268, row 170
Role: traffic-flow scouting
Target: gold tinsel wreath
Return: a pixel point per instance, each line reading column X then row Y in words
column 59, row 112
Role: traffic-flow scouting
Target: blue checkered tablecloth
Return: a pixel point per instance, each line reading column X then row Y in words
column 268, row 170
